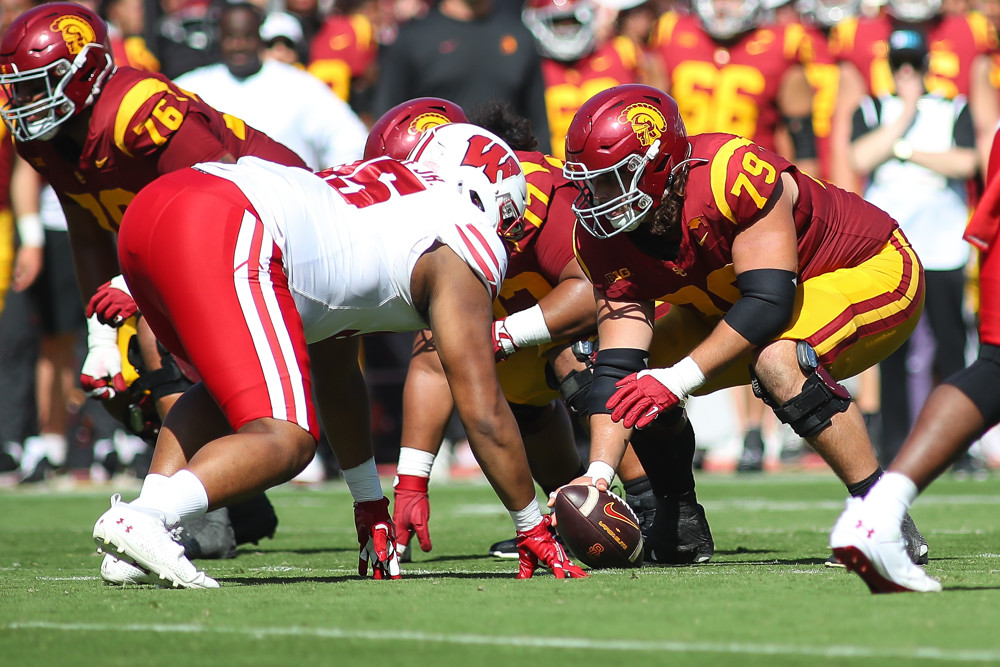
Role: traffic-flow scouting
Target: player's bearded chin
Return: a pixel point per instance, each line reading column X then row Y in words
column 664, row 224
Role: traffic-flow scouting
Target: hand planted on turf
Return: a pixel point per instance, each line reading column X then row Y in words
column 377, row 538
column 539, row 545
column 503, row 342
column 101, row 374
column 411, row 511
column 641, row 397
column 112, row 303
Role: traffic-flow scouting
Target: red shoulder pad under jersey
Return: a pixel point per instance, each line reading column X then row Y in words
column 743, row 178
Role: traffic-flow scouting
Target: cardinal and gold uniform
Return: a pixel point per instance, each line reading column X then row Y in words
column 824, row 77
column 6, row 217
column 569, row 84
column 954, row 42
column 343, row 50
column 142, row 126
column 534, row 269
column 729, row 87
column 860, row 288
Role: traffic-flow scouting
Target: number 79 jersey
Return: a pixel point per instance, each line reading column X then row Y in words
column 351, row 236
column 729, row 186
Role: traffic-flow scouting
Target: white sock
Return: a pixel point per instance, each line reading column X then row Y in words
column 414, row 462
column 893, row 494
column 176, row 497
column 363, row 482
column 151, row 484
column 527, row 518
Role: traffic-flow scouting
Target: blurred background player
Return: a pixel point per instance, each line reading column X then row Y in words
column 574, row 63
column 344, row 53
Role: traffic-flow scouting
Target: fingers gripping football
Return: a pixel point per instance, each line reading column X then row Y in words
column 539, row 545
column 377, row 538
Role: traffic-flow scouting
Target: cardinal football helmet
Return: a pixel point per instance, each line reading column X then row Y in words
column 564, row 30
column 54, row 59
column 914, row 11
column 483, row 167
column 398, row 130
column 624, row 148
column 725, row 19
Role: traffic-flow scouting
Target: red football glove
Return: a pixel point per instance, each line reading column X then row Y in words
column 411, row 511
column 539, row 544
column 112, row 303
column 377, row 538
column 640, row 398
column 503, row 342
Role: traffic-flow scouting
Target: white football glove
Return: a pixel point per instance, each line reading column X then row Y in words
column 101, row 375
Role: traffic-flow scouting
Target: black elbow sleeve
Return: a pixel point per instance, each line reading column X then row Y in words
column 766, row 306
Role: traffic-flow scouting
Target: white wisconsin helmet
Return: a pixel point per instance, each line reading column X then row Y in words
column 724, row 19
column 483, row 167
column 564, row 30
column 914, row 11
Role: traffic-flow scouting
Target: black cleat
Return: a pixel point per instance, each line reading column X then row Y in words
column 680, row 534
column 504, row 549
column 208, row 535
column 916, row 545
column 752, row 459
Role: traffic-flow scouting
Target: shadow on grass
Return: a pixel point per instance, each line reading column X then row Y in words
column 277, row 580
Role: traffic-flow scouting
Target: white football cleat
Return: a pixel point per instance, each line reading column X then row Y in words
column 874, row 549
column 140, row 538
column 117, row 572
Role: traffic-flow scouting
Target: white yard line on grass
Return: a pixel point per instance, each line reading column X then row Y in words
column 581, row 643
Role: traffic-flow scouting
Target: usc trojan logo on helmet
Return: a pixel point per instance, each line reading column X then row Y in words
column 646, row 120
column 426, row 121
column 76, row 32
column 493, row 159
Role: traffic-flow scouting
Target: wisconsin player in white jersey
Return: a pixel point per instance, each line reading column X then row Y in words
column 291, row 267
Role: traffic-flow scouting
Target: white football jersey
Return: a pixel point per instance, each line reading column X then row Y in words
column 351, row 236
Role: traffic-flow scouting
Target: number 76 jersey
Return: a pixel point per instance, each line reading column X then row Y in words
column 729, row 187
column 142, row 126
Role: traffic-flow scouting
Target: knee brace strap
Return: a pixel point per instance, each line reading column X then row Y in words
column 810, row 412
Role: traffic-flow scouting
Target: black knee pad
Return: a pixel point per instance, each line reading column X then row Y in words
column 811, row 411
column 979, row 383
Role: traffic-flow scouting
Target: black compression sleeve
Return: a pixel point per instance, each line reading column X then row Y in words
column 610, row 366
column 803, row 137
column 767, row 304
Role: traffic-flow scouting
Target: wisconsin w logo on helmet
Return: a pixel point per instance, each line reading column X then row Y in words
column 496, row 161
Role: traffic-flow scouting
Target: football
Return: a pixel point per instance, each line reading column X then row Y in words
column 598, row 527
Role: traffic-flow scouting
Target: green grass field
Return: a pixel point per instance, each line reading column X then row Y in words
column 764, row 599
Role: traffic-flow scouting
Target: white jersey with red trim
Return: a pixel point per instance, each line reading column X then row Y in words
column 350, row 237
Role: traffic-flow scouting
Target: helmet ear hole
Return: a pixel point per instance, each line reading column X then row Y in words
column 477, row 200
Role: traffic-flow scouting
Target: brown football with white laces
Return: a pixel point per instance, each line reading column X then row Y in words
column 598, row 527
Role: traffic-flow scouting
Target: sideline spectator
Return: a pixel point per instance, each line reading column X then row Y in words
column 471, row 53
column 289, row 105
column 917, row 149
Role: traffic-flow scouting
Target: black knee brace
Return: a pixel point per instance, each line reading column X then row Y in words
column 575, row 387
column 979, row 383
column 810, row 412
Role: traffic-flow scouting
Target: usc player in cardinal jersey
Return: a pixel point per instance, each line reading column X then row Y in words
column 776, row 280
